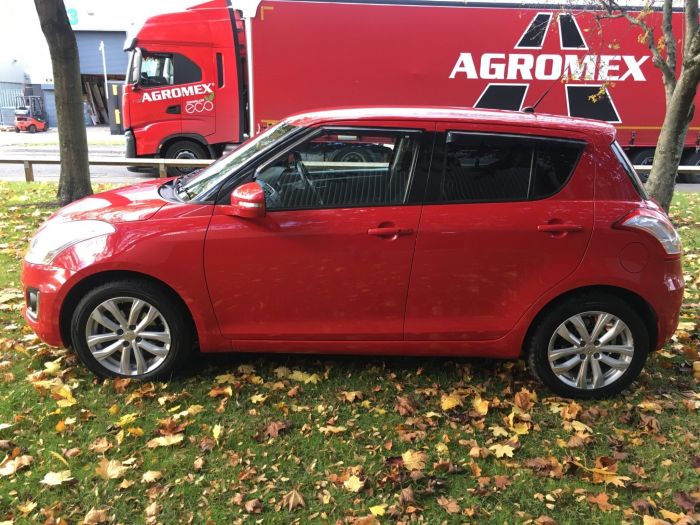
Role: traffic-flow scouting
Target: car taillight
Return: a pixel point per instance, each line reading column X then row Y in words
column 655, row 223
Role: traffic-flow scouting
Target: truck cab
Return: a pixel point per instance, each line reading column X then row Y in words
column 184, row 81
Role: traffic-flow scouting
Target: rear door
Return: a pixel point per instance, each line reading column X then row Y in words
column 507, row 216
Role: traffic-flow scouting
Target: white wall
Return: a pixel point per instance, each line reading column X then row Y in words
column 22, row 44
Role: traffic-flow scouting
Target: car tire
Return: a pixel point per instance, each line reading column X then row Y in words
column 32, row 128
column 691, row 159
column 555, row 358
column 360, row 154
column 148, row 337
column 184, row 149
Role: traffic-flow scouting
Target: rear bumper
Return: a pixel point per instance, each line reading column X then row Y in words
column 667, row 302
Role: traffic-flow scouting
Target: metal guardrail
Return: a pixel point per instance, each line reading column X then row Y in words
column 163, row 164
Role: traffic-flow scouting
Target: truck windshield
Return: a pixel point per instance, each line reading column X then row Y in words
column 200, row 184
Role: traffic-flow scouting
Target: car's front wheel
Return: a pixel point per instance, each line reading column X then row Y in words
column 131, row 328
column 588, row 346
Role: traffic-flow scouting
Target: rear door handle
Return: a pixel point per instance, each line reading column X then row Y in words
column 173, row 110
column 389, row 231
column 559, row 227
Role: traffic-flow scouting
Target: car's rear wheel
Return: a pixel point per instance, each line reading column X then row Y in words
column 588, row 346
column 131, row 328
column 32, row 128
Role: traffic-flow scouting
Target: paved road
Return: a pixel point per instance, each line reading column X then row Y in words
column 100, row 143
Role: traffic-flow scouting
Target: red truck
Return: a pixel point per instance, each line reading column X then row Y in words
column 204, row 79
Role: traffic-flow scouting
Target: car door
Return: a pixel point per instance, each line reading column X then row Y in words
column 332, row 257
column 507, row 216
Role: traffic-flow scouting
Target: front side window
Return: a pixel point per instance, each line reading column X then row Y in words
column 167, row 69
column 342, row 168
column 498, row 168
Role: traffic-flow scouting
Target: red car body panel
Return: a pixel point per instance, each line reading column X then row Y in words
column 465, row 279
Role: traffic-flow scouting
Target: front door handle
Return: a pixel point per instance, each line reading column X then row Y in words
column 173, row 110
column 559, row 227
column 389, row 231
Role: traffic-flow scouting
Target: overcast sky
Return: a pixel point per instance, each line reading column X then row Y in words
column 23, row 47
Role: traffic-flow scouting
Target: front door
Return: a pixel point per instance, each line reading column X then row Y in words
column 507, row 216
column 331, row 259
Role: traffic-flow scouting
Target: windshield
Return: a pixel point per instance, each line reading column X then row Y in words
column 199, row 184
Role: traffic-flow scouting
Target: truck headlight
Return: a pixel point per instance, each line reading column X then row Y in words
column 52, row 239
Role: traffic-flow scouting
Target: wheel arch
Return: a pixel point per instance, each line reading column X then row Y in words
column 636, row 301
column 192, row 137
column 91, row 281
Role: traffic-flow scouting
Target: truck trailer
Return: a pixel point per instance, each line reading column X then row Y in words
column 202, row 80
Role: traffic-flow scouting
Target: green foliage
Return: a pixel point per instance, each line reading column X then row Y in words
column 298, row 439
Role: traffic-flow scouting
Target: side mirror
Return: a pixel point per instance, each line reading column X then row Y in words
column 248, row 201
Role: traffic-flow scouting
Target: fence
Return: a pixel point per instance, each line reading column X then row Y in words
column 163, row 164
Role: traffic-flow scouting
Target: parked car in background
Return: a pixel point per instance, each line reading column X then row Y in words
column 466, row 233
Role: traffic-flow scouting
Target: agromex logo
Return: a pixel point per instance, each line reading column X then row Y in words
column 593, row 69
column 177, row 92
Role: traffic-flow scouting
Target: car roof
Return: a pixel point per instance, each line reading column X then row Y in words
column 454, row 114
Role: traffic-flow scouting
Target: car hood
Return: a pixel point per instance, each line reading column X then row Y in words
column 131, row 203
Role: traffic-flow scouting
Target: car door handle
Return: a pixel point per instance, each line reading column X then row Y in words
column 173, row 110
column 389, row 231
column 559, row 227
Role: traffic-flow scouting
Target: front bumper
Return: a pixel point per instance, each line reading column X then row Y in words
column 44, row 316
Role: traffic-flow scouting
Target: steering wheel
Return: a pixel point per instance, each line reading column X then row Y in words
column 272, row 196
column 304, row 175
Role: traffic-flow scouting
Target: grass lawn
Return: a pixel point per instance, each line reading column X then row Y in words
column 293, row 439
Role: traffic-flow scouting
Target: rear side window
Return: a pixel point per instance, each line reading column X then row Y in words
column 501, row 168
column 629, row 170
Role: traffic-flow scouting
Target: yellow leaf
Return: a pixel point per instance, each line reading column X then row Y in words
column 353, row 484
column 414, row 460
column 56, row 478
column 303, row 377
column 165, row 441
column 126, row 420
column 498, row 431
column 216, row 432
column 674, row 517
column 60, row 426
column 135, row 431
column 151, row 476
column 450, row 401
column 480, row 405
column 502, row 450
column 330, row 429
column 60, row 458
column 113, row 410
column 110, row 469
column 378, row 510
column 258, row 398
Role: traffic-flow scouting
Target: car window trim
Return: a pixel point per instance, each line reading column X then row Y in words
column 420, row 133
column 438, row 165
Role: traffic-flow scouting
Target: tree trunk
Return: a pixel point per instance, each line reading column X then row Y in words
column 74, row 181
column 669, row 148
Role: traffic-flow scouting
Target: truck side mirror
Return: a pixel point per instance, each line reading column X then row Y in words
column 248, row 201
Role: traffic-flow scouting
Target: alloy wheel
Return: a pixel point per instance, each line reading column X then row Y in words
column 128, row 336
column 590, row 350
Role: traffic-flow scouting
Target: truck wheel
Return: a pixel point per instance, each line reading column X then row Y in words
column 691, row 159
column 588, row 346
column 16, row 129
column 184, row 149
column 32, row 128
column 354, row 154
column 643, row 157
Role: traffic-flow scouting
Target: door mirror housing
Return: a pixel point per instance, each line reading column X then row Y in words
column 248, row 201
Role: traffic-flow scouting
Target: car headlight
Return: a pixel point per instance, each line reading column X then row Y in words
column 52, row 239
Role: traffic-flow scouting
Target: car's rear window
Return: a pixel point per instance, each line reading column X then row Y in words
column 481, row 167
column 629, row 170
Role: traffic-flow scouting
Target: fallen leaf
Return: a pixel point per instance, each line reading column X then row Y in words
column 110, row 469
column 449, row 504
column 96, row 516
column 414, row 460
column 165, row 441
column 601, row 500
column 502, row 450
column 450, row 401
column 56, row 478
column 253, row 506
column 293, row 500
column 404, row 406
column 151, row 476
column 353, row 484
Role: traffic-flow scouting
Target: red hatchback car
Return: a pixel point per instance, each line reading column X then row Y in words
column 409, row 231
